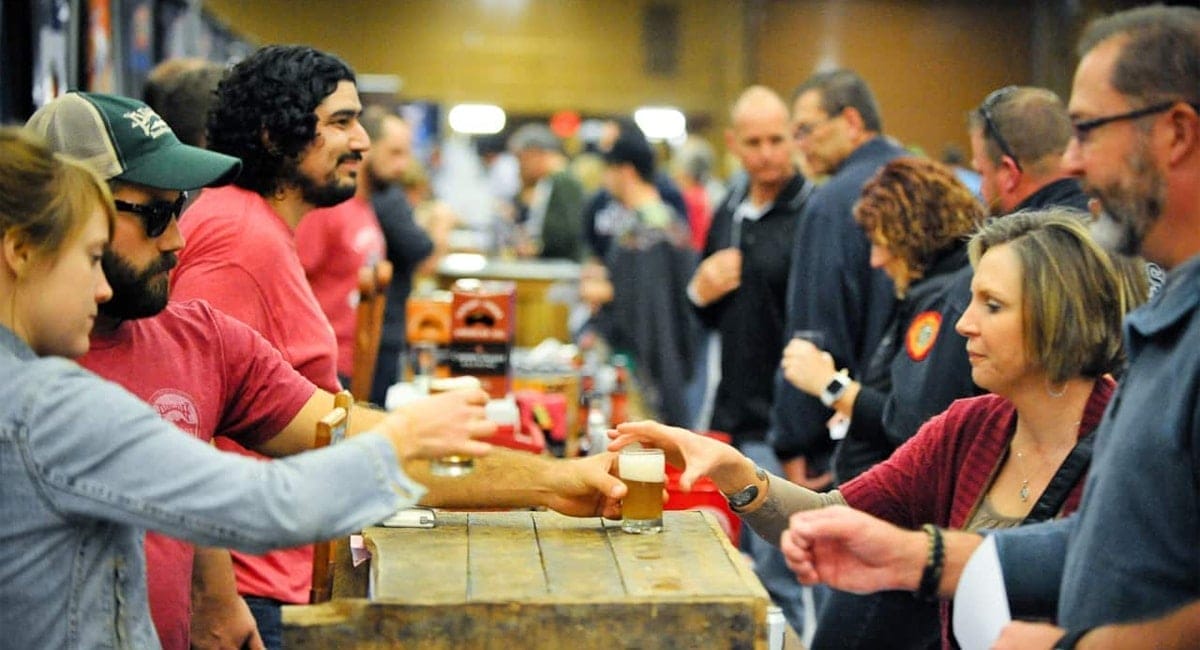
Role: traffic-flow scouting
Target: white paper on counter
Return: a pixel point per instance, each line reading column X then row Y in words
column 981, row 602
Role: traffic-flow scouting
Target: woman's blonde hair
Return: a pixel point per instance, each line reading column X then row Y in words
column 46, row 198
column 1075, row 295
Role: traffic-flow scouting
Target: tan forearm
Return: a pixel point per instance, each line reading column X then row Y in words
column 212, row 575
column 502, row 479
column 300, row 434
column 1175, row 631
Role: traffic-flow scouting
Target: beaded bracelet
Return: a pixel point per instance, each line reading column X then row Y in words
column 931, row 577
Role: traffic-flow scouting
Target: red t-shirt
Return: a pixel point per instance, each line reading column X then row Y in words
column 240, row 256
column 699, row 214
column 209, row 375
column 333, row 244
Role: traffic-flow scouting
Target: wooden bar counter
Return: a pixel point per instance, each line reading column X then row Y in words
column 541, row 580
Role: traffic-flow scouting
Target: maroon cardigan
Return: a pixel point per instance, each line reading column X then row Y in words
column 941, row 474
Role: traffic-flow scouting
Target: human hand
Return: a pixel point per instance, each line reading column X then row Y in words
column 853, row 551
column 595, row 289
column 1022, row 635
column 807, row 367
column 585, row 487
column 795, row 470
column 224, row 624
column 719, row 274
column 695, row 454
column 441, row 425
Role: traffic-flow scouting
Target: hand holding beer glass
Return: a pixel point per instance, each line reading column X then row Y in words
column 452, row 466
column 643, row 471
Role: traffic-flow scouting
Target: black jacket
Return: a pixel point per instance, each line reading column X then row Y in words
column 750, row 319
column 833, row 289
column 919, row 368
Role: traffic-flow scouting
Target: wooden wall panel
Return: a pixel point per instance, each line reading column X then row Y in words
column 929, row 61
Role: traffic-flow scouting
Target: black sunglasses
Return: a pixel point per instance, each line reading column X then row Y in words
column 985, row 111
column 156, row 215
column 1084, row 127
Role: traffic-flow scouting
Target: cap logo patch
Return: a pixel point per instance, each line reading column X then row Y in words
column 148, row 121
column 922, row 334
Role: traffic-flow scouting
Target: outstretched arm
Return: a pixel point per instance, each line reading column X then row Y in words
column 853, row 551
column 583, row 487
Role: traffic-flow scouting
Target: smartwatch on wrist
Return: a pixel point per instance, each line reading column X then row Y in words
column 836, row 388
column 748, row 494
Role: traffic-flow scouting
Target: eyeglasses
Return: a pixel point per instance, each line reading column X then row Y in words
column 985, row 111
column 802, row 131
column 1084, row 127
column 156, row 215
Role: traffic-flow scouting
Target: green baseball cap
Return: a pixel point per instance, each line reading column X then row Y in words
column 124, row 139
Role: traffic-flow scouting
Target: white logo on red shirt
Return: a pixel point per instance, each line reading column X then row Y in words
column 178, row 408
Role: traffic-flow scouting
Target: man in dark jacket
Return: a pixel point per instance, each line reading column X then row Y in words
column 740, row 290
column 1018, row 135
column 832, row 289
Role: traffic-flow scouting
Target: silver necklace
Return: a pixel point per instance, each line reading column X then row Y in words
column 1024, row 491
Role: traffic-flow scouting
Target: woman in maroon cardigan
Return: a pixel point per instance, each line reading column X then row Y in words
column 1043, row 335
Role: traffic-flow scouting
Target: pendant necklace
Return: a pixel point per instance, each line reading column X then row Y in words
column 1024, row 491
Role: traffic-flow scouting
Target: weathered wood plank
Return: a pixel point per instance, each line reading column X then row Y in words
column 686, row 558
column 504, row 561
column 425, row 565
column 578, row 558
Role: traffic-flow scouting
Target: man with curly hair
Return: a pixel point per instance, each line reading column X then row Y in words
column 291, row 114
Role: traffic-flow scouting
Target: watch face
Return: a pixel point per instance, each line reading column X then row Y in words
column 743, row 497
column 836, row 384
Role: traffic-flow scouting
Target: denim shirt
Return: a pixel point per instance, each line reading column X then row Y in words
column 85, row 467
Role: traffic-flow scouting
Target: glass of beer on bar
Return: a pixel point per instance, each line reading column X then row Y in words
column 452, row 466
column 643, row 471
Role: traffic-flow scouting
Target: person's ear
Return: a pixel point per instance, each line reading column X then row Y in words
column 19, row 253
column 1183, row 134
column 1010, row 176
column 268, row 143
column 854, row 119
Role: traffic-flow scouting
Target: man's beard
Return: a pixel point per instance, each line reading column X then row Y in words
column 136, row 294
column 323, row 195
column 1129, row 209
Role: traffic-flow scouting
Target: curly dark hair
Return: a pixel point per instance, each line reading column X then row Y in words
column 916, row 208
column 265, row 110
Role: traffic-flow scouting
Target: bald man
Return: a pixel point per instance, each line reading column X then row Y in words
column 740, row 290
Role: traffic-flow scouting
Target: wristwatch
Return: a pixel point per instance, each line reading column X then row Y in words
column 748, row 494
column 836, row 388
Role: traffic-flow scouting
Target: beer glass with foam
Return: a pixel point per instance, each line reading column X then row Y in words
column 452, row 465
column 643, row 471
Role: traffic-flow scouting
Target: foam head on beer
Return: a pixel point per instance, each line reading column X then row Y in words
column 643, row 465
